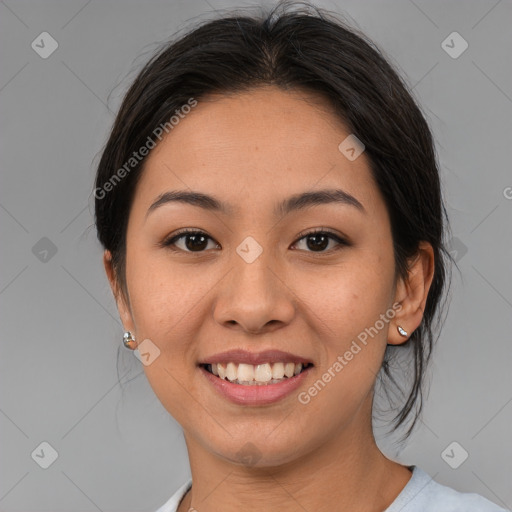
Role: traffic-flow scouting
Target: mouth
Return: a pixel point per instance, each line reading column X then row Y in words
column 250, row 378
column 264, row 374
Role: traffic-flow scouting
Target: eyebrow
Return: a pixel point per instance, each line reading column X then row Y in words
column 296, row 202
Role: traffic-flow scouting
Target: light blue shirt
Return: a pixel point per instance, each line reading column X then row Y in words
column 421, row 494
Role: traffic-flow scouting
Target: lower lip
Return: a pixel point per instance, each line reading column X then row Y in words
column 257, row 394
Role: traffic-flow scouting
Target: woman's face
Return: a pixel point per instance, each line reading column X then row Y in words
column 256, row 282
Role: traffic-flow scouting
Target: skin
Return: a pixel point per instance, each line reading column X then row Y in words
column 252, row 150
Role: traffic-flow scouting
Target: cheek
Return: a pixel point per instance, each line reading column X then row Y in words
column 167, row 309
column 165, row 301
column 350, row 297
column 350, row 306
column 346, row 377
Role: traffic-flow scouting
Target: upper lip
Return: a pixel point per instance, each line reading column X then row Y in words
column 254, row 358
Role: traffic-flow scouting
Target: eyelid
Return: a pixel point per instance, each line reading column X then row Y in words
column 342, row 239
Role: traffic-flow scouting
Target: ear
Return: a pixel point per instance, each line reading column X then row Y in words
column 411, row 293
column 121, row 300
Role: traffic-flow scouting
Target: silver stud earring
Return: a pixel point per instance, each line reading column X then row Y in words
column 402, row 331
column 129, row 340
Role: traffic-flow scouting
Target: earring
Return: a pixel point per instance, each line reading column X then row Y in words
column 402, row 331
column 129, row 340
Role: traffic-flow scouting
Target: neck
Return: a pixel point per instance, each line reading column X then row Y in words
column 348, row 473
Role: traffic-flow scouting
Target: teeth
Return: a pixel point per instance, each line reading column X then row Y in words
column 245, row 372
column 231, row 371
column 249, row 374
column 278, row 371
column 289, row 369
column 263, row 373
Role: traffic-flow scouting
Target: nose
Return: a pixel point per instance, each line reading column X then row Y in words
column 254, row 297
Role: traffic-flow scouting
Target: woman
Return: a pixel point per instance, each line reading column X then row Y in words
column 271, row 213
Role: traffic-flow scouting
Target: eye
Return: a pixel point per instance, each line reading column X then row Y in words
column 318, row 240
column 197, row 241
column 193, row 241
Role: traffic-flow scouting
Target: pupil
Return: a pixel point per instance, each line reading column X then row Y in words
column 319, row 241
column 197, row 242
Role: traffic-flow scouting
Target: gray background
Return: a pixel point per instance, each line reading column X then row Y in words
column 60, row 333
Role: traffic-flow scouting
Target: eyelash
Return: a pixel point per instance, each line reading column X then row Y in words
column 170, row 241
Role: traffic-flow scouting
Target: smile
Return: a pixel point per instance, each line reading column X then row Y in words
column 256, row 375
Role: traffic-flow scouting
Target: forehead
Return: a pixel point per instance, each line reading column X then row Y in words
column 257, row 146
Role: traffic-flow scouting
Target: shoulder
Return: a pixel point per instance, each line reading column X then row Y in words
column 172, row 504
column 424, row 494
column 421, row 494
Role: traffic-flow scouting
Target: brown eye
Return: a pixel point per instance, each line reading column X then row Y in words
column 318, row 241
column 190, row 241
